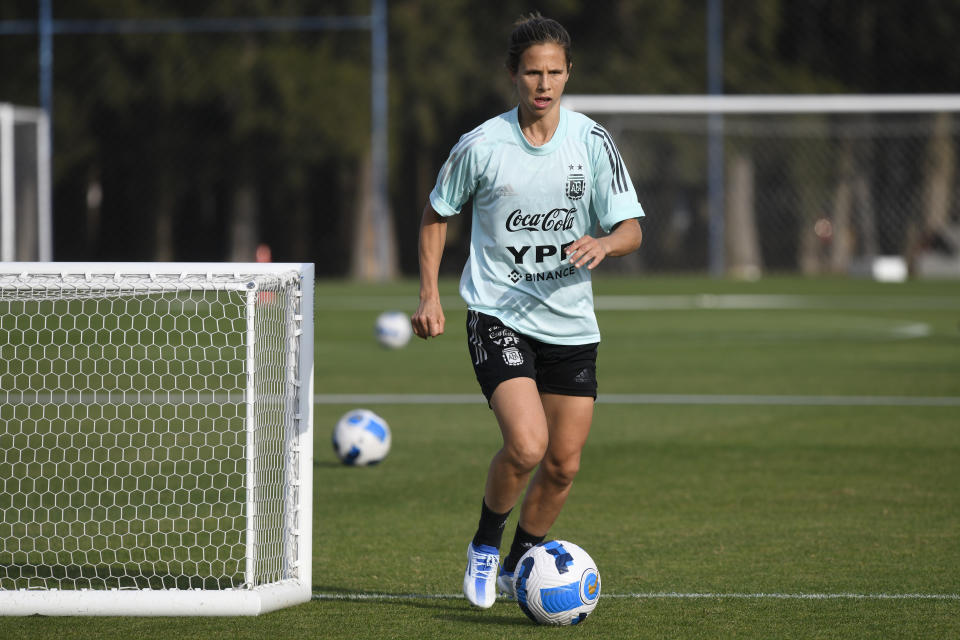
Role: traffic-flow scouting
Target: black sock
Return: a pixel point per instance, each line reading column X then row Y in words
column 490, row 528
column 522, row 542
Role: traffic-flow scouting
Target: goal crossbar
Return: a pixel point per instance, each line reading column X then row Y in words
column 201, row 273
column 760, row 104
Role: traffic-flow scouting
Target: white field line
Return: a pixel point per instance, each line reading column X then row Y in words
column 787, row 596
column 662, row 398
column 670, row 595
column 773, row 302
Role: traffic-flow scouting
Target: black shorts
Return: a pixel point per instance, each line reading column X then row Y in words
column 499, row 353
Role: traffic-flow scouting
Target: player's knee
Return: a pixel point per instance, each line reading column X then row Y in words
column 561, row 471
column 524, row 456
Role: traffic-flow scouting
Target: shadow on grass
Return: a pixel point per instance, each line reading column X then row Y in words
column 516, row 619
column 444, row 608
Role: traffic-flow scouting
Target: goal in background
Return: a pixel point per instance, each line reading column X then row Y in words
column 25, row 187
column 809, row 184
column 155, row 438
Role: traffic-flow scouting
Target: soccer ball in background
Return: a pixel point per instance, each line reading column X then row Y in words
column 393, row 329
column 361, row 437
column 557, row 583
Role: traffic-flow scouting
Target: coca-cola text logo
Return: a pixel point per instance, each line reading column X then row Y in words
column 553, row 220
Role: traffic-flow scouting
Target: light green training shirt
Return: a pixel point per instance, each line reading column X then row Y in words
column 529, row 203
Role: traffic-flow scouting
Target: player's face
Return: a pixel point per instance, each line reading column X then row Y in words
column 540, row 78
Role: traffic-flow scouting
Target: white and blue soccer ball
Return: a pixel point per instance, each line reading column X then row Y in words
column 361, row 438
column 393, row 329
column 557, row 583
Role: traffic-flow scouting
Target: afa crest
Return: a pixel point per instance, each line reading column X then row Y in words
column 576, row 186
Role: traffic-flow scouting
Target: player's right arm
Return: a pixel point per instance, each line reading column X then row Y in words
column 428, row 321
column 455, row 185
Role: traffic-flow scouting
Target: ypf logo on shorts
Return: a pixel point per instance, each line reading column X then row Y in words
column 512, row 356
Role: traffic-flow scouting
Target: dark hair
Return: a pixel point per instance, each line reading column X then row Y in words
column 535, row 29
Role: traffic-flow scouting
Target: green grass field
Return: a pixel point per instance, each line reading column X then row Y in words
column 770, row 459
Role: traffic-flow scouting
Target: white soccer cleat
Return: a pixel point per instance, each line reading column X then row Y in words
column 480, row 578
column 507, row 584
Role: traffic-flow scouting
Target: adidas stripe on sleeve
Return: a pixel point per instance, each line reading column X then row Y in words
column 614, row 198
column 619, row 181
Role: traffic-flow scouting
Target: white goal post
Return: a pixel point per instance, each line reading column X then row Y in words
column 156, row 439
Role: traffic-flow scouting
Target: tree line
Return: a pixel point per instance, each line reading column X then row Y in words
column 191, row 146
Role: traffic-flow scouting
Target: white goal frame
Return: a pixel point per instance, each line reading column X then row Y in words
column 250, row 598
column 860, row 233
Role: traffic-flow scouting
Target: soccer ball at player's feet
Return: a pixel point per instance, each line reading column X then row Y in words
column 557, row 583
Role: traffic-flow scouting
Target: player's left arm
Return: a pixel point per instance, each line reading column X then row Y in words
column 589, row 251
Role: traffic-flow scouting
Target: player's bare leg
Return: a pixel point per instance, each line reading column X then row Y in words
column 569, row 419
column 516, row 403
column 523, row 423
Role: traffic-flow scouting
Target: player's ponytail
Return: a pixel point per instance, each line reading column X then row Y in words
column 535, row 29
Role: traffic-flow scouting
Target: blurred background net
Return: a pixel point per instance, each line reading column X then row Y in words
column 805, row 192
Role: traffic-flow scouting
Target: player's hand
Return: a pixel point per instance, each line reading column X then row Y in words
column 428, row 321
column 587, row 251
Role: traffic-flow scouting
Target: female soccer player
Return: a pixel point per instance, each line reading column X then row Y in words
column 542, row 178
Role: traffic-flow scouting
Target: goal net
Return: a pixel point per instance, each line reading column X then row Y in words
column 155, row 438
column 809, row 184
